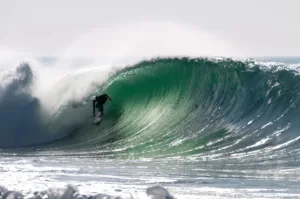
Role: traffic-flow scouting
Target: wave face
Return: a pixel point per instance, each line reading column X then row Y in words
column 189, row 107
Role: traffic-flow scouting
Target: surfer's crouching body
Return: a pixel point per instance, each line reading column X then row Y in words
column 99, row 101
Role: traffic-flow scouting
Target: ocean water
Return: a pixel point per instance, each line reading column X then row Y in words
column 176, row 128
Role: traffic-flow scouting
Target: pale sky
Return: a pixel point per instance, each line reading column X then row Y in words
column 213, row 27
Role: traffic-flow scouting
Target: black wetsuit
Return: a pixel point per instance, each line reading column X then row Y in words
column 100, row 101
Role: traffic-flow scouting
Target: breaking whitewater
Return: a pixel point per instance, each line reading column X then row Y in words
column 176, row 128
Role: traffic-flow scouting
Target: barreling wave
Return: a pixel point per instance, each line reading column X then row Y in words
column 184, row 107
column 188, row 107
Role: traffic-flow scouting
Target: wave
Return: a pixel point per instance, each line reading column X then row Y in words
column 186, row 107
column 19, row 110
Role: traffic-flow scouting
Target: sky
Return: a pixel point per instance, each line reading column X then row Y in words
column 149, row 28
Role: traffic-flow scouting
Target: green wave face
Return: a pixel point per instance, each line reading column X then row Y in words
column 157, row 104
column 184, row 107
column 151, row 101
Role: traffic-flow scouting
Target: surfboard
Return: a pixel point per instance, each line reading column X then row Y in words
column 98, row 118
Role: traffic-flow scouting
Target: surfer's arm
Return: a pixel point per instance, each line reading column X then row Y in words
column 108, row 97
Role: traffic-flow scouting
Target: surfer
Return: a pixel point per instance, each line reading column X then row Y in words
column 99, row 101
